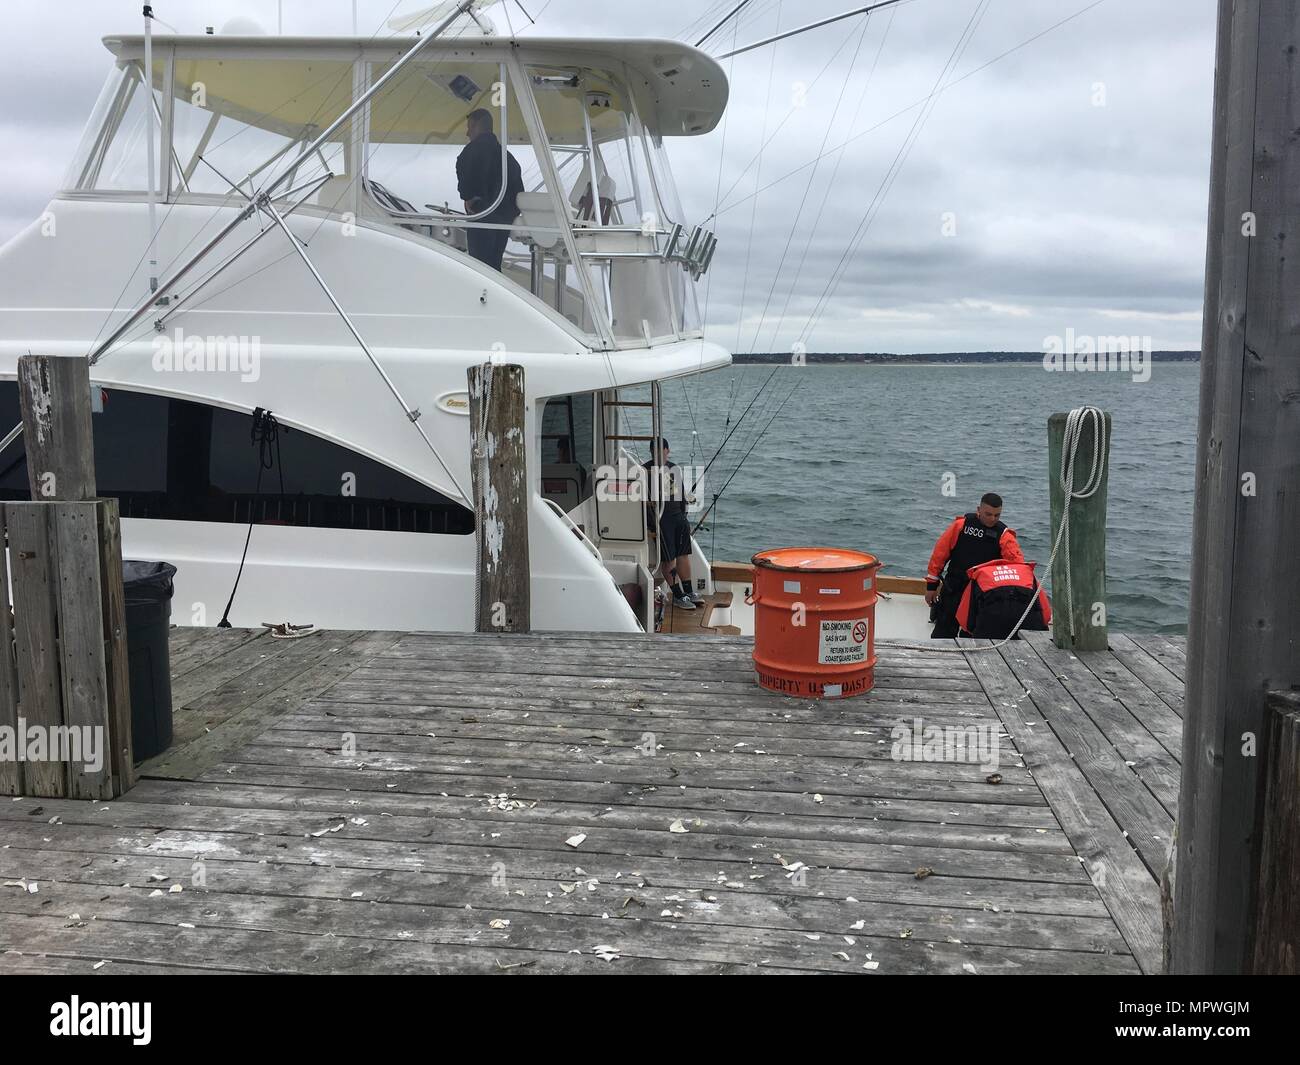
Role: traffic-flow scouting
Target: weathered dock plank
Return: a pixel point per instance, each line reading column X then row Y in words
column 1166, row 685
column 1124, row 883
column 333, row 804
column 1152, row 763
column 1013, row 811
column 249, row 701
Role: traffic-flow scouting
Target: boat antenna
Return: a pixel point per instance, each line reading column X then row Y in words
column 811, row 26
column 730, row 15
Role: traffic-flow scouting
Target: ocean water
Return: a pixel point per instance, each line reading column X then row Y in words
column 858, row 454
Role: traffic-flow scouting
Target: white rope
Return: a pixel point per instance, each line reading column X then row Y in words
column 1075, row 422
column 1074, row 426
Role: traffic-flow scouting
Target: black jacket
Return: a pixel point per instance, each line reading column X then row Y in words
column 478, row 177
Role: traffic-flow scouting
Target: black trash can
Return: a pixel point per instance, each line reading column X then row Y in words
column 148, row 587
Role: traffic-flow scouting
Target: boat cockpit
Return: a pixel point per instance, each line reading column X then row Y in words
column 618, row 264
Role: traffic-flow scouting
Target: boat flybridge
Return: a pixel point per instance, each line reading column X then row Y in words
column 273, row 224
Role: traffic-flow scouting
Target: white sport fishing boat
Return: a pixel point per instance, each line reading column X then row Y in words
column 257, row 224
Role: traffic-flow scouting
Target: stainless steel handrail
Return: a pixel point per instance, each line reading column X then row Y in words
column 696, row 256
column 595, row 551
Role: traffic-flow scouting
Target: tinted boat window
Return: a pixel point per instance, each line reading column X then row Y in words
column 181, row 461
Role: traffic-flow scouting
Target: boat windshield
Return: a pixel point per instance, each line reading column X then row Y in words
column 596, row 230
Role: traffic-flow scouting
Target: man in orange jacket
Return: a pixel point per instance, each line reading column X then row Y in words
column 969, row 540
column 998, row 594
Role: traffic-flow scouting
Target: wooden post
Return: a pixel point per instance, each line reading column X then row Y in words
column 1086, row 541
column 498, row 461
column 36, row 646
column 55, row 397
column 74, row 543
column 1277, row 929
column 70, row 665
column 116, row 660
column 1245, row 567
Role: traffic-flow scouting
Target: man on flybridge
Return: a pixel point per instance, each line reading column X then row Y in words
column 478, row 176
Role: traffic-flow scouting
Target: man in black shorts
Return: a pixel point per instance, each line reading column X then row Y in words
column 674, row 527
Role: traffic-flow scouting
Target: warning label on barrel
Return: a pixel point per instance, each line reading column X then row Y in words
column 843, row 642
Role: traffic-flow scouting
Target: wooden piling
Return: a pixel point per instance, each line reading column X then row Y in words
column 1086, row 572
column 67, row 680
column 57, row 434
column 498, row 461
column 1245, row 568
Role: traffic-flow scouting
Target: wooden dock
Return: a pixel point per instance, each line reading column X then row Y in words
column 385, row 802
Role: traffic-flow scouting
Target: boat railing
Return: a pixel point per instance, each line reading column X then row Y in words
column 577, row 530
column 632, row 282
column 693, row 251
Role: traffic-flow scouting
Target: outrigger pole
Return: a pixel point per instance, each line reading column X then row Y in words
column 804, row 29
column 412, row 414
column 158, row 298
column 262, row 201
column 269, row 191
column 151, row 131
column 723, row 21
column 364, row 98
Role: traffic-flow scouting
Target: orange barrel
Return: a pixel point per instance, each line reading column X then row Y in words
column 815, row 621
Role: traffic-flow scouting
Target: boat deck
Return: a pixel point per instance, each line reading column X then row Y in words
column 702, row 620
column 386, row 802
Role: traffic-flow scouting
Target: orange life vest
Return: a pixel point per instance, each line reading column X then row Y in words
column 996, row 595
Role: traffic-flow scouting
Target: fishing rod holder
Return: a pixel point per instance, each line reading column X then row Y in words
column 696, row 255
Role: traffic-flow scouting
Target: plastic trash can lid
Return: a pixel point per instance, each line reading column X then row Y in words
column 147, row 582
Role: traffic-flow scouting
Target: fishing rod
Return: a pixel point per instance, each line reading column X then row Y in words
column 811, row 26
column 739, row 420
column 732, row 14
column 718, row 495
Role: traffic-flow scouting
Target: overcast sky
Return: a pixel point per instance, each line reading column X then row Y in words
column 1062, row 186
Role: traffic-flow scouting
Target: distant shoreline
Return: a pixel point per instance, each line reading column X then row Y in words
column 956, row 358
